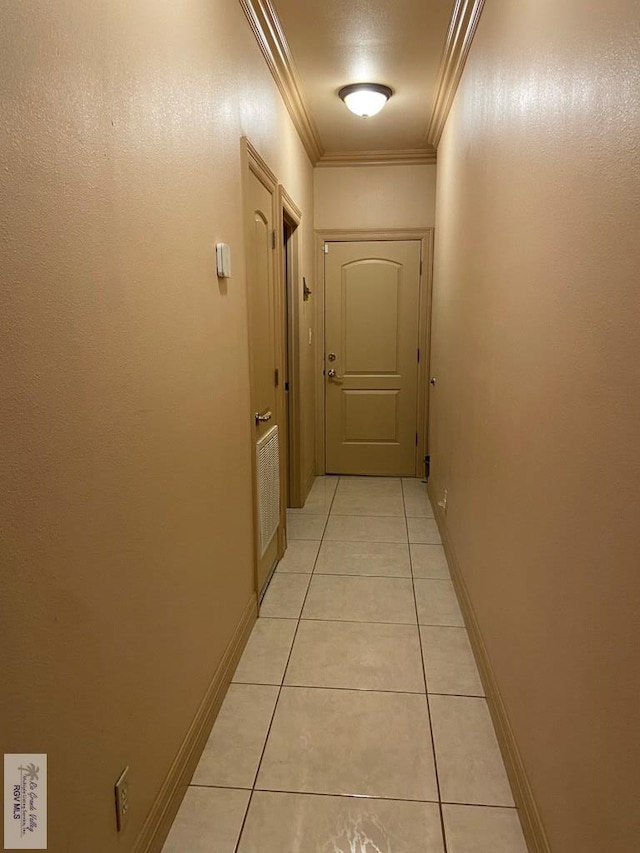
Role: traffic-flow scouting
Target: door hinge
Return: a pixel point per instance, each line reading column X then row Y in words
column 273, row 239
column 416, row 439
column 326, row 248
column 418, row 353
column 276, row 376
column 420, row 266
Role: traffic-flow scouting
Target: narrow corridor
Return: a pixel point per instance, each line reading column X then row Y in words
column 326, row 739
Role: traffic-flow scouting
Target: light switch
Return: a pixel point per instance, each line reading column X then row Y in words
column 223, row 260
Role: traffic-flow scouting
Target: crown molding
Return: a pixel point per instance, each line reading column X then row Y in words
column 401, row 157
column 270, row 36
column 462, row 28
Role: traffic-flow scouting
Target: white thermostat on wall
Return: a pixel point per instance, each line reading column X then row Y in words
column 223, row 260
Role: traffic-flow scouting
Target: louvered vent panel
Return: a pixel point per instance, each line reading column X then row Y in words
column 268, row 470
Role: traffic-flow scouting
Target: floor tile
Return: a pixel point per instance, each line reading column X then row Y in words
column 299, row 557
column 353, row 528
column 367, row 503
column 303, row 526
column 449, row 663
column 470, row 766
column 417, row 505
column 413, row 484
column 285, row 596
column 373, row 485
column 314, row 506
column 360, row 599
column 209, row 819
column 284, row 823
column 423, row 530
column 350, row 742
column 265, row 656
column 325, row 483
column 360, row 656
column 232, row 753
column 474, row 829
column 429, row 561
column 437, row 603
column 382, row 559
column 319, row 498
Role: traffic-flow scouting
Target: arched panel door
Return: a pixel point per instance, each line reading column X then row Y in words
column 372, row 293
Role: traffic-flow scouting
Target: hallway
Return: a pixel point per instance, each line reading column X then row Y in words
column 325, row 742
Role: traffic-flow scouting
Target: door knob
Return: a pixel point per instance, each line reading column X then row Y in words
column 432, row 381
column 263, row 417
column 331, row 373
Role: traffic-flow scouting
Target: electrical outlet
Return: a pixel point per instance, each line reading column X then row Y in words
column 122, row 800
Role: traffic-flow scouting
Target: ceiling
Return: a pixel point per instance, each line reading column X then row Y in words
column 417, row 47
column 336, row 42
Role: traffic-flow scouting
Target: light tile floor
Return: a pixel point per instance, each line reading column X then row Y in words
column 356, row 721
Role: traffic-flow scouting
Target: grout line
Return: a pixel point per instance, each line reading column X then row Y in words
column 458, row 695
column 366, row 541
column 354, row 796
column 355, row 575
column 352, row 575
column 301, row 539
column 297, row 686
column 426, row 687
column 360, row 690
column 349, row 796
column 369, row 621
column 354, row 621
column 275, row 707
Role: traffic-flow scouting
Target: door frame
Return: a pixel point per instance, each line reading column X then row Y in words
column 251, row 161
column 287, row 209
column 425, row 236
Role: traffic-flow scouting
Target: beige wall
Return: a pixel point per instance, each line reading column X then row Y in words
column 125, row 422
column 536, row 414
column 355, row 197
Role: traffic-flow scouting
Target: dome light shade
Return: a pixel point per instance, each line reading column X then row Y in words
column 365, row 99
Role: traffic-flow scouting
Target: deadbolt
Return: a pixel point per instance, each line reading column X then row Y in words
column 332, row 356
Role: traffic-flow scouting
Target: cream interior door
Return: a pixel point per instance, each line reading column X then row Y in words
column 263, row 332
column 372, row 293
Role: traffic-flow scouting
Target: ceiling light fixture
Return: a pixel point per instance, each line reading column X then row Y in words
column 365, row 99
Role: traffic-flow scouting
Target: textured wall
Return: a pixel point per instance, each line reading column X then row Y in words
column 536, row 414
column 375, row 197
column 125, row 453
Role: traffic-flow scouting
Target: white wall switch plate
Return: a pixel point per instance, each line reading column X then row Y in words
column 223, row 260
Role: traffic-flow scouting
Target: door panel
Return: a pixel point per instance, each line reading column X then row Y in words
column 370, row 416
column 371, row 327
column 261, row 284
